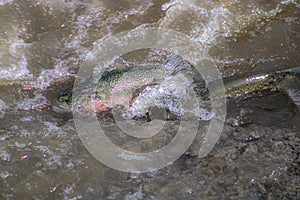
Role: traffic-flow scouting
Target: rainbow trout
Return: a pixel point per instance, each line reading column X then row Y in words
column 118, row 87
column 121, row 84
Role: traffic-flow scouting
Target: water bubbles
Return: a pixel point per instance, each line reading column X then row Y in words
column 49, row 75
column 69, row 190
column 3, row 107
column 4, row 155
column 51, row 158
column 3, row 2
column 170, row 94
column 135, row 195
column 294, row 95
column 5, row 174
column 17, row 48
column 167, row 5
column 38, row 102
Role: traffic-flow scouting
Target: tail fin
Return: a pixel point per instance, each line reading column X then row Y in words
column 176, row 63
column 294, row 70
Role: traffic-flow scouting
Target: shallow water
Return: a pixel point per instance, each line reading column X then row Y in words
column 42, row 46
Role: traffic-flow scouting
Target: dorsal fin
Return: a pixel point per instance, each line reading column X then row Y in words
column 176, row 63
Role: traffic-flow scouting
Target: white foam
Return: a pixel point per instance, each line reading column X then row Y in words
column 18, row 48
column 5, row 174
column 294, row 95
column 48, row 75
column 167, row 5
column 3, row 2
column 212, row 20
column 3, row 107
column 68, row 190
column 26, row 133
column 4, row 155
column 140, row 7
column 27, row 119
column 13, row 61
column 54, row 4
column 136, row 195
column 17, row 71
column 169, row 94
column 52, row 159
column 52, row 128
column 294, row 2
column 38, row 102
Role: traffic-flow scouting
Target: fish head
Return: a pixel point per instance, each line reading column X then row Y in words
column 63, row 104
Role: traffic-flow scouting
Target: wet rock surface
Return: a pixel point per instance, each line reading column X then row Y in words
column 255, row 160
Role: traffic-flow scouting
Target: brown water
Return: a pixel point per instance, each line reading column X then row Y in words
column 42, row 46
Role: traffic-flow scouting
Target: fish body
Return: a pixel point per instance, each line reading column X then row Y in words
column 257, row 81
column 120, row 86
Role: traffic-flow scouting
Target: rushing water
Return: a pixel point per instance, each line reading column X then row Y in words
column 42, row 46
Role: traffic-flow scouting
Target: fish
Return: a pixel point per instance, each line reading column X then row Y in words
column 250, row 82
column 120, row 86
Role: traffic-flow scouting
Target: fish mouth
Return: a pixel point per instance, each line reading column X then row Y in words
column 61, row 110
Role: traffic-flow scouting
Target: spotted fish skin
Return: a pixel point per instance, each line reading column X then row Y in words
column 119, row 86
column 250, row 82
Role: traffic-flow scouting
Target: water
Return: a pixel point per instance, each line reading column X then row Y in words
column 42, row 45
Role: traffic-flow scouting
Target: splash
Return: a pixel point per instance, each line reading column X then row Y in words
column 209, row 21
column 171, row 94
